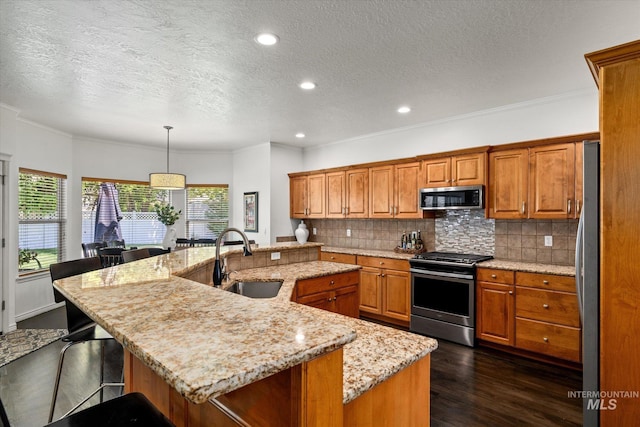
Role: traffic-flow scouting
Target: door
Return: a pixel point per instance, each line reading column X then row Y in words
column 552, row 181
column 298, row 197
column 336, row 196
column 495, row 313
column 316, row 196
column 468, row 169
column 381, row 192
column 397, row 294
column 357, row 193
column 407, row 191
column 508, row 184
column 370, row 290
column 437, row 172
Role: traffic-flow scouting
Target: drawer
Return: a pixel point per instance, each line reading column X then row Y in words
column 546, row 281
column 326, row 283
column 496, row 276
column 546, row 338
column 335, row 257
column 548, row 306
column 390, row 263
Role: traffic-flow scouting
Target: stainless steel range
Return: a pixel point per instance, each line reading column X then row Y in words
column 443, row 295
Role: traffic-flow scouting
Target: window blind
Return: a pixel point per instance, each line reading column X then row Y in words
column 42, row 219
column 207, row 210
column 139, row 225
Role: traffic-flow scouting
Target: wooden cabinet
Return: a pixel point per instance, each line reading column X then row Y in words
column 394, row 191
column 307, row 196
column 357, row 193
column 385, row 289
column 460, row 170
column 338, row 293
column 337, row 257
column 495, row 306
column 336, row 194
column 547, row 319
column 541, row 182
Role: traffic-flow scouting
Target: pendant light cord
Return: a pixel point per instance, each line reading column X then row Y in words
column 168, row 128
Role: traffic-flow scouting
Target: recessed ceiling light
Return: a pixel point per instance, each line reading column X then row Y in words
column 300, row 135
column 404, row 109
column 307, row 85
column 267, row 39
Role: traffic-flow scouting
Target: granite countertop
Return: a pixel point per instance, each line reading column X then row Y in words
column 202, row 341
column 529, row 267
column 367, row 252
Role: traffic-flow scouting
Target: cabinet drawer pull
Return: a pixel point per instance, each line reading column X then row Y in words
column 545, row 339
column 568, row 205
column 332, row 257
column 493, row 276
column 545, row 305
column 335, row 298
column 510, row 292
column 546, row 282
column 331, row 282
column 578, row 206
column 381, row 262
column 382, row 275
column 524, row 208
column 329, row 300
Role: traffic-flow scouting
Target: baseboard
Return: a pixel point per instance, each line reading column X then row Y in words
column 37, row 311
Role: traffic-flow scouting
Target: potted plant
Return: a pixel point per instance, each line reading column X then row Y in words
column 25, row 256
column 168, row 216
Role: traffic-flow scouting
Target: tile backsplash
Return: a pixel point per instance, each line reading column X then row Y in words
column 466, row 231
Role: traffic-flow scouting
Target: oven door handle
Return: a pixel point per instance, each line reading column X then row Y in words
column 431, row 273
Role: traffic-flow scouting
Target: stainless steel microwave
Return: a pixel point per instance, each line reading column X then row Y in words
column 468, row 197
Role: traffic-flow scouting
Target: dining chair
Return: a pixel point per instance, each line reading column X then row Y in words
column 110, row 256
column 158, row 251
column 135, row 254
column 236, row 242
column 116, row 244
column 91, row 249
column 81, row 327
column 182, row 243
column 129, row 410
column 203, row 242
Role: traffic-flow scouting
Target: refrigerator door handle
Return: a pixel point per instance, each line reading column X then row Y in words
column 579, row 261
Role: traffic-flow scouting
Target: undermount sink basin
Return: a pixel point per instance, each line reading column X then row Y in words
column 256, row 289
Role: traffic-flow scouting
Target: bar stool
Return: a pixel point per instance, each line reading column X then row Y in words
column 132, row 409
column 80, row 326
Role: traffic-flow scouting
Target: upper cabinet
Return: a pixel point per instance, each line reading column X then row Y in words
column 394, row 191
column 307, row 196
column 540, row 182
column 357, row 193
column 456, row 171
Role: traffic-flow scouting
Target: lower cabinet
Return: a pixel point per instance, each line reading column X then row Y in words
column 529, row 311
column 385, row 289
column 338, row 293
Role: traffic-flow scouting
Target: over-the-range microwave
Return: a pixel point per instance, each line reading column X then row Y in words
column 467, row 197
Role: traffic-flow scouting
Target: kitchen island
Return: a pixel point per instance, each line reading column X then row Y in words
column 205, row 356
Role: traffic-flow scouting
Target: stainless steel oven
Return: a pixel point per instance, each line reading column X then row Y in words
column 443, row 295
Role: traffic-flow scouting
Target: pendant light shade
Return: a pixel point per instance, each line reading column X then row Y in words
column 167, row 181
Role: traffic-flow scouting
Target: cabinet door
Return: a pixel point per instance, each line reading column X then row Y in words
column 347, row 301
column 323, row 300
column 437, row 172
column 336, row 194
column 579, row 178
column 357, row 193
column 552, row 181
column 381, row 192
column 298, row 197
column 407, row 188
column 508, row 184
column 370, row 290
column 469, row 169
column 397, row 294
column 316, row 196
column 495, row 313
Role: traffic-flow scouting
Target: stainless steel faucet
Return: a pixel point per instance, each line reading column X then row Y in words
column 218, row 270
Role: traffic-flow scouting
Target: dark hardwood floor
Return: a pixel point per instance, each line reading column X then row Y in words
column 469, row 387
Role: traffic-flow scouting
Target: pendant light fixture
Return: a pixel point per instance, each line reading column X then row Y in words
column 167, row 181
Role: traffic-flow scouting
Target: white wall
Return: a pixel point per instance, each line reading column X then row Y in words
column 571, row 114
column 284, row 159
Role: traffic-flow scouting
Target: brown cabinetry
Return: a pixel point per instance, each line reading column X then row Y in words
column 385, row 289
column 547, row 319
column 307, row 196
column 336, row 257
column 357, row 193
column 393, row 191
column 495, row 306
column 460, row 170
column 338, row 293
column 508, row 184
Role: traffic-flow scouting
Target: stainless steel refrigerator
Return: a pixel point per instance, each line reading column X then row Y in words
column 588, row 279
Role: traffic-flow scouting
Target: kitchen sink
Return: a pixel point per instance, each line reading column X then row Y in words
column 256, row 289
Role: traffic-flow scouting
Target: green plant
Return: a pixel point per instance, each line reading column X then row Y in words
column 25, row 256
column 167, row 214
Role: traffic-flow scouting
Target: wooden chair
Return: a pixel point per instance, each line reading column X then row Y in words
column 236, row 242
column 130, row 410
column 80, row 326
column 181, row 243
column 116, row 244
column 91, row 249
column 158, row 251
column 135, row 254
column 110, row 256
column 203, row 242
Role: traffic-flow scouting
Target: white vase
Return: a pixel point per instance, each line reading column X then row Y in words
column 302, row 234
column 170, row 237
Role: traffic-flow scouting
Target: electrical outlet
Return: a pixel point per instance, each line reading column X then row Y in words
column 548, row 240
column 315, row 231
column 275, row 256
column 348, row 232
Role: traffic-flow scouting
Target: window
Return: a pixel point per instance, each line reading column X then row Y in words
column 138, row 225
column 42, row 220
column 207, row 210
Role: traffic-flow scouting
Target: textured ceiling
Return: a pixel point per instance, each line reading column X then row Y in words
column 120, row 70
